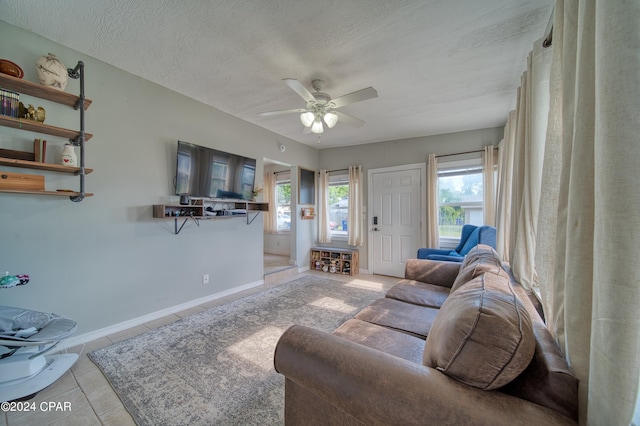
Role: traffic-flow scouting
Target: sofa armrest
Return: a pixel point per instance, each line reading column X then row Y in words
column 377, row 388
column 431, row 271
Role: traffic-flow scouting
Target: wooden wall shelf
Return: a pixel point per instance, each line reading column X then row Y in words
column 35, row 126
column 43, row 92
column 77, row 137
column 197, row 211
column 10, row 162
column 56, row 193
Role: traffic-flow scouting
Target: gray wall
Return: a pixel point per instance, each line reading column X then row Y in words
column 402, row 152
column 106, row 260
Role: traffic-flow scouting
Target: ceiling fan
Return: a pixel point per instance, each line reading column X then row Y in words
column 321, row 108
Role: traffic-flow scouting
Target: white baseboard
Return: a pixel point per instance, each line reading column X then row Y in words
column 97, row 334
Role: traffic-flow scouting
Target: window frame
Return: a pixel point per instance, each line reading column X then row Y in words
column 339, row 179
column 463, row 167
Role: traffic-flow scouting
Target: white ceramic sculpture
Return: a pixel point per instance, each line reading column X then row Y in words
column 52, row 72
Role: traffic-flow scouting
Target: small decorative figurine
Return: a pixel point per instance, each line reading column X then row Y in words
column 31, row 113
column 40, row 114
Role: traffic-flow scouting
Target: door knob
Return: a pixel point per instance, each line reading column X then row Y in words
column 375, row 229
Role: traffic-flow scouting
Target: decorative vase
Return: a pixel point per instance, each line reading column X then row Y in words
column 68, row 157
column 52, row 72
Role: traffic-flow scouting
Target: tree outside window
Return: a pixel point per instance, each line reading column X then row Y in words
column 339, row 208
column 283, row 203
column 460, row 199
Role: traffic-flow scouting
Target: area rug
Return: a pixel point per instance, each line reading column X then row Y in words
column 216, row 367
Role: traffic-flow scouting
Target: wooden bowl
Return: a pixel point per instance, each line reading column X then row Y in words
column 9, row 68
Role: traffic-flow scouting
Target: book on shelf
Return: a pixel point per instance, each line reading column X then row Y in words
column 39, row 150
column 9, row 103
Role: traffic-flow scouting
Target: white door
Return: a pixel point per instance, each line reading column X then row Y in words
column 396, row 209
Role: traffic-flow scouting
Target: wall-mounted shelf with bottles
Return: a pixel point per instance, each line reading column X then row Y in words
column 77, row 137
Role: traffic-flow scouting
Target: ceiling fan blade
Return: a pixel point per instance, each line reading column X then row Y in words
column 348, row 119
column 300, row 89
column 358, row 96
column 283, row 111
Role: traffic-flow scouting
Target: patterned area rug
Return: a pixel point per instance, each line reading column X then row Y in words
column 216, row 367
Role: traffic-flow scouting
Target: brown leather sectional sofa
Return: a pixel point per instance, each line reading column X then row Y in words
column 450, row 344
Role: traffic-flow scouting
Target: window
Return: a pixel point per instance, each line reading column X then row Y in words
column 460, row 199
column 283, row 204
column 338, row 205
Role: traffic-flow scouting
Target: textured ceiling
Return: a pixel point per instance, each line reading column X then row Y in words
column 439, row 66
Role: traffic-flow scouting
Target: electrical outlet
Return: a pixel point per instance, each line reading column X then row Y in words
column 205, row 279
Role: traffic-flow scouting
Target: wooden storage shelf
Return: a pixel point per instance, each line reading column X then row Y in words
column 197, row 211
column 78, row 137
column 57, row 193
column 10, row 162
column 39, row 91
column 335, row 260
column 34, row 126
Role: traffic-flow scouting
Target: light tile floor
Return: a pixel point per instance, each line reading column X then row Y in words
column 93, row 401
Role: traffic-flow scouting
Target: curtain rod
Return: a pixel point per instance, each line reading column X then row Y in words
column 460, row 153
column 337, row 170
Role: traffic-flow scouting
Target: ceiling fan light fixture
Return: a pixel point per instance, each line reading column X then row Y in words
column 307, row 118
column 331, row 119
column 317, row 126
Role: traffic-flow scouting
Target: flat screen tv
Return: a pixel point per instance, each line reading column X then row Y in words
column 210, row 173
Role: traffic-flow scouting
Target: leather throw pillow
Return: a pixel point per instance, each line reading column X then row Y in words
column 482, row 335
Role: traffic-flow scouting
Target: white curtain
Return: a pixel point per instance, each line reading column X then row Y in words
column 488, row 186
column 433, row 237
column 355, row 231
column 269, row 193
column 324, row 230
column 505, row 184
column 532, row 115
column 591, row 279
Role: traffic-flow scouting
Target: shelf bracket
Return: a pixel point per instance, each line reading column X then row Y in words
column 186, row 219
column 249, row 222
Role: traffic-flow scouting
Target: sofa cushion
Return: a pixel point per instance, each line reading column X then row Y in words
column 419, row 293
column 432, row 272
column 384, row 339
column 482, row 335
column 412, row 319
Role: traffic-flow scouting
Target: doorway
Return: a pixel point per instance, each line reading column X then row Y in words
column 279, row 253
column 397, row 209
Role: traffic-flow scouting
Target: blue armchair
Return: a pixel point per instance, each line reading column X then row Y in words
column 471, row 236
